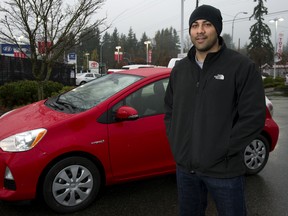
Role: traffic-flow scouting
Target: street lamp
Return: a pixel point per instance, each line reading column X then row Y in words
column 87, row 56
column 242, row 12
column 101, row 57
column 147, row 49
column 275, row 20
column 182, row 27
column 118, row 48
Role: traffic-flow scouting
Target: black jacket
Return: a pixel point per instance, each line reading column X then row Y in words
column 211, row 114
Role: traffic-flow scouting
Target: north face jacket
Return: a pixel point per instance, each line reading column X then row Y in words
column 211, row 114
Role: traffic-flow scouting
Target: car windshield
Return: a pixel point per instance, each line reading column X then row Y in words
column 89, row 95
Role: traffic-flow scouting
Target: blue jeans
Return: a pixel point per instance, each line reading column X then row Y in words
column 228, row 194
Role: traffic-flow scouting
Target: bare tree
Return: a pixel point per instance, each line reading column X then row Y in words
column 49, row 27
column 187, row 44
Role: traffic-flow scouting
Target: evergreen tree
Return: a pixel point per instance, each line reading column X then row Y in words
column 260, row 49
column 131, row 46
column 167, row 46
column 115, row 41
column 90, row 44
column 107, row 51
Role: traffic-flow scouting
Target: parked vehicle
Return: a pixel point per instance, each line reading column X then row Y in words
column 109, row 71
column 173, row 62
column 86, row 77
column 108, row 131
column 129, row 67
column 135, row 66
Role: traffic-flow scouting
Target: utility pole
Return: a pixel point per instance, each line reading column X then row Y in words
column 197, row 3
column 182, row 26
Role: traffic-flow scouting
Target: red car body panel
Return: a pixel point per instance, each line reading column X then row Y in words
column 126, row 150
column 271, row 130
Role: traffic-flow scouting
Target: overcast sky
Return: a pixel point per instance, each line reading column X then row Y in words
column 149, row 16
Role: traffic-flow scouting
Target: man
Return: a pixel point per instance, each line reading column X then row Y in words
column 214, row 107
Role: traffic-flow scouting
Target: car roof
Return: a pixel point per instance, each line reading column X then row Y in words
column 137, row 66
column 147, row 72
column 82, row 74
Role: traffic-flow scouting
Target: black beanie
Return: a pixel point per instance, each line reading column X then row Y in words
column 208, row 13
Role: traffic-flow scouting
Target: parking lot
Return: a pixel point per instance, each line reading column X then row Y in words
column 266, row 192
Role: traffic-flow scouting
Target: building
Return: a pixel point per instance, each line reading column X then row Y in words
column 280, row 70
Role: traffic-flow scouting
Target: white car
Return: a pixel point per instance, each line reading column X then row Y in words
column 135, row 66
column 269, row 105
column 129, row 67
column 173, row 61
column 86, row 77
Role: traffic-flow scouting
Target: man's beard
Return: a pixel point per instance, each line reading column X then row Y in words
column 208, row 47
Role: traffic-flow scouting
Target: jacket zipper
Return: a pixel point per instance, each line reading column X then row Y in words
column 198, row 81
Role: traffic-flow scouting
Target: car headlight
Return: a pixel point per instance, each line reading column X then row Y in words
column 22, row 141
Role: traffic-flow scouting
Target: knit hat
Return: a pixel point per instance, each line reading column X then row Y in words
column 208, row 13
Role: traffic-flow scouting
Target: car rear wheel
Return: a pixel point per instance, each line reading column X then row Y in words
column 71, row 185
column 256, row 155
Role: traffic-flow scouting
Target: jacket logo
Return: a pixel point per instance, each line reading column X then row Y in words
column 219, row 77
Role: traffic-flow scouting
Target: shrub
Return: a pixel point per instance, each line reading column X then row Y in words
column 63, row 90
column 25, row 92
column 270, row 82
column 51, row 87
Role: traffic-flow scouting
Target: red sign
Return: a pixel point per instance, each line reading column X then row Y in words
column 150, row 56
column 116, row 55
column 42, row 46
column 19, row 54
column 93, row 65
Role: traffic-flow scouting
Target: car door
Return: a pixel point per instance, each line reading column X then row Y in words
column 139, row 147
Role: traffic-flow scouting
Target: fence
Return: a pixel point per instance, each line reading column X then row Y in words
column 15, row 69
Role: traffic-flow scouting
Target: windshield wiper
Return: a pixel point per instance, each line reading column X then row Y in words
column 55, row 105
column 67, row 105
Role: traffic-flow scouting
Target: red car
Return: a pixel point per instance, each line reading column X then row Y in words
column 107, row 131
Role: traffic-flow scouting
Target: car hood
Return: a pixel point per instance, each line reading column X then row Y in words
column 29, row 117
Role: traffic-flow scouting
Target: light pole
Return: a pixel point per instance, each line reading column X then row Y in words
column 118, row 48
column 101, row 57
column 182, row 26
column 147, row 49
column 87, row 56
column 242, row 12
column 275, row 20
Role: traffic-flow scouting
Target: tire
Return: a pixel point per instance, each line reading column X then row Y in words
column 71, row 184
column 82, row 83
column 256, row 155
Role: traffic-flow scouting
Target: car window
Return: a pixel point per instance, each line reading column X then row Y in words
column 92, row 93
column 89, row 75
column 148, row 100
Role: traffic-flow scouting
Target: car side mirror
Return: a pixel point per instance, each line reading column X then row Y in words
column 126, row 113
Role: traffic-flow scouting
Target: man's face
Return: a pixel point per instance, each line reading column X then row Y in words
column 204, row 36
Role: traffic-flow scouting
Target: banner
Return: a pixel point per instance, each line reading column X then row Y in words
column 42, row 46
column 14, row 51
column 279, row 47
column 150, row 56
column 116, row 55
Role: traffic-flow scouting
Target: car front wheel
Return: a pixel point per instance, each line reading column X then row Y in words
column 71, row 185
column 256, row 155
